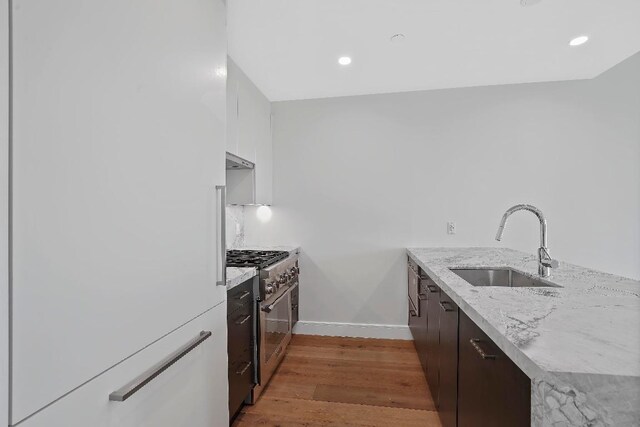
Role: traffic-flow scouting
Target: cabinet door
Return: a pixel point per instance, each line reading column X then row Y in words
column 413, row 322
column 191, row 392
column 119, row 130
column 492, row 390
column 433, row 339
column 421, row 340
column 448, row 361
column 249, row 133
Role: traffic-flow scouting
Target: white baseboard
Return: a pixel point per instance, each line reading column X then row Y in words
column 356, row 330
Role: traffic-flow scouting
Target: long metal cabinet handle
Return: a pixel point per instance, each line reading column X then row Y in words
column 432, row 288
column 476, row 344
column 221, row 231
column 128, row 390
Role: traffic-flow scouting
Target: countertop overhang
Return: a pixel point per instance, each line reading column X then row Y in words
column 584, row 335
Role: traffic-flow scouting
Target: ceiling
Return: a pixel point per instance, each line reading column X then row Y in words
column 290, row 48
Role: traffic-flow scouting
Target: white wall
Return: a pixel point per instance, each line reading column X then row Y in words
column 358, row 179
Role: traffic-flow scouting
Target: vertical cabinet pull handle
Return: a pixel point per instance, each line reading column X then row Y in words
column 476, row 344
column 432, row 288
column 128, row 390
column 221, row 264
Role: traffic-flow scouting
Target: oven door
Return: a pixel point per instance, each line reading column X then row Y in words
column 275, row 334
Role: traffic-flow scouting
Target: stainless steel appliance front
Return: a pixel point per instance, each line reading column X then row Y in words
column 275, row 318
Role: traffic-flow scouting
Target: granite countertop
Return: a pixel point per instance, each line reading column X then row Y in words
column 579, row 344
column 238, row 275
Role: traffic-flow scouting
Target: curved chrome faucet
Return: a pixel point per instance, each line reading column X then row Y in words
column 545, row 263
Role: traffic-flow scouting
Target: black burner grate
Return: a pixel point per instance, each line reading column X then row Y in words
column 251, row 258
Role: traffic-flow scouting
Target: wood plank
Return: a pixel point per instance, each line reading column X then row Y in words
column 310, row 413
column 375, row 396
column 337, row 381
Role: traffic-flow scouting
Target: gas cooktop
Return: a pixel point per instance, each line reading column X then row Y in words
column 252, row 258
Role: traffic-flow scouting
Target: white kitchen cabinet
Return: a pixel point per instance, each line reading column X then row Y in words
column 249, row 131
column 119, row 141
column 192, row 392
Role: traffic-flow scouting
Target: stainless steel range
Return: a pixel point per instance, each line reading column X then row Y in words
column 277, row 306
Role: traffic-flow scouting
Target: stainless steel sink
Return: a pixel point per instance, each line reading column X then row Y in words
column 507, row 277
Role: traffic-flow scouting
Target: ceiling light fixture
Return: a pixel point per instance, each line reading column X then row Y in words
column 397, row 38
column 525, row 3
column 344, row 60
column 578, row 40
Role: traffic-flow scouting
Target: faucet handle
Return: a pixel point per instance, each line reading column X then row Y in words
column 545, row 258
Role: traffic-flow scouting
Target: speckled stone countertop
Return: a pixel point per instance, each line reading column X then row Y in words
column 238, row 275
column 579, row 344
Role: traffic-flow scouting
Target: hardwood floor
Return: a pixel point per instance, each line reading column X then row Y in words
column 331, row 381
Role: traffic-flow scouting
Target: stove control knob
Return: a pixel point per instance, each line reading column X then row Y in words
column 292, row 271
column 269, row 289
column 282, row 279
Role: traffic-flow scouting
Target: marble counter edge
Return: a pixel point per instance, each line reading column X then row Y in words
column 239, row 275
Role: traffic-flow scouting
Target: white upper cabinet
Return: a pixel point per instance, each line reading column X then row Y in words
column 249, row 131
column 119, row 141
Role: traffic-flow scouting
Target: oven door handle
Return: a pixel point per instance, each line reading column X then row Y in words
column 268, row 308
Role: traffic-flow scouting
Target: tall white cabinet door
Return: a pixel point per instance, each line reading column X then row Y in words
column 119, row 140
column 192, row 392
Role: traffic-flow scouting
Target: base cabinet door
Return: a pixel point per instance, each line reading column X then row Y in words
column 433, row 339
column 448, row 362
column 191, row 392
column 492, row 390
column 421, row 332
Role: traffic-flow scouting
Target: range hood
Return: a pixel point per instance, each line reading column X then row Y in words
column 234, row 162
column 241, row 181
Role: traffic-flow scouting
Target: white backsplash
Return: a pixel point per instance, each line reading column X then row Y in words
column 235, row 226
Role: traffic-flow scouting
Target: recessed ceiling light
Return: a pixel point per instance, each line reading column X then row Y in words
column 397, row 38
column 525, row 3
column 344, row 60
column 578, row 41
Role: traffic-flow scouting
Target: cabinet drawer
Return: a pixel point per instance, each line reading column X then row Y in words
column 240, row 297
column 240, row 380
column 240, row 327
column 192, row 391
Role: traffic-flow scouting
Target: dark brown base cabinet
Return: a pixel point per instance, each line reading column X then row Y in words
column 472, row 382
column 241, row 343
column 492, row 390
column 418, row 313
column 448, row 362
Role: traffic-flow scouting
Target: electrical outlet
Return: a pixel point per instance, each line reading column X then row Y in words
column 451, row 227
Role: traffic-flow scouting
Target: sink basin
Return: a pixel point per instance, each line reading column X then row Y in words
column 506, row 277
